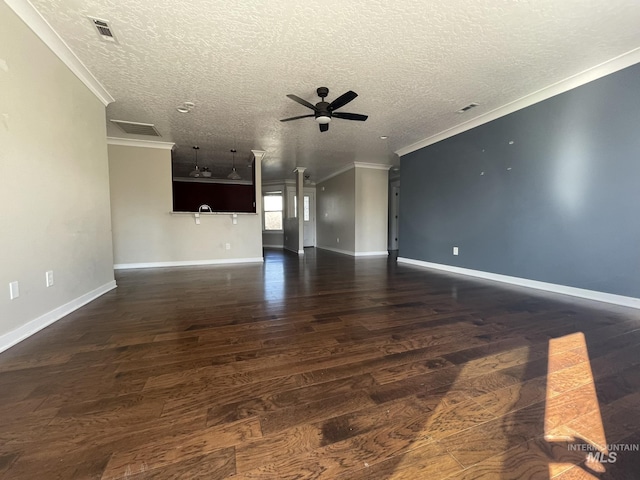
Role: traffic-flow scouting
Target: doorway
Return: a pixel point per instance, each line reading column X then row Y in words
column 309, row 219
column 394, row 212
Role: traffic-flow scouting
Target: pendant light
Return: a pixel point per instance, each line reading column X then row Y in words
column 234, row 174
column 196, row 170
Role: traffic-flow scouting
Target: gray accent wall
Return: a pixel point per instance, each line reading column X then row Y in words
column 548, row 193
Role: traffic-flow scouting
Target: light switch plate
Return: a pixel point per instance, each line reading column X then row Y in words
column 14, row 290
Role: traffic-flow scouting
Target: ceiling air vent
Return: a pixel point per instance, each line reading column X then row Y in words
column 104, row 30
column 467, row 108
column 136, row 128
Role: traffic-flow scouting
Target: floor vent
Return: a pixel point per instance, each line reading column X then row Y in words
column 136, row 128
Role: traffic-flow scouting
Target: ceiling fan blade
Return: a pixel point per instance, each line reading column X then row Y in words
column 302, row 101
column 350, row 116
column 296, row 118
column 342, row 100
column 324, row 127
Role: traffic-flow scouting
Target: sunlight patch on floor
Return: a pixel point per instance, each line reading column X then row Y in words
column 572, row 411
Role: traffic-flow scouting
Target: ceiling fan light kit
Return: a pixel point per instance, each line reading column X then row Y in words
column 325, row 111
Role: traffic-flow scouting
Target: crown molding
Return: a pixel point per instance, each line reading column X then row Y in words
column 372, row 166
column 279, row 183
column 346, row 168
column 130, row 142
column 610, row 66
column 37, row 23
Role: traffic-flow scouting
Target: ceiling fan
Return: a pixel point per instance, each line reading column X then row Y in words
column 324, row 111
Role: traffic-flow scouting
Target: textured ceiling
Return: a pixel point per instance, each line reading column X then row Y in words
column 412, row 62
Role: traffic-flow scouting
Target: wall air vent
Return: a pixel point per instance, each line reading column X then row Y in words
column 467, row 108
column 104, row 30
column 136, row 128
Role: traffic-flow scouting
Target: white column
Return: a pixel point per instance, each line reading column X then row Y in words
column 258, row 155
column 300, row 207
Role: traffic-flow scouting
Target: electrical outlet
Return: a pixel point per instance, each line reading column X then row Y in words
column 227, row 246
column 338, row 240
column 455, row 250
column 49, row 278
column 14, row 290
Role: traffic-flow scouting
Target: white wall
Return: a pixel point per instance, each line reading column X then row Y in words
column 273, row 239
column 54, row 185
column 336, row 212
column 146, row 233
column 353, row 207
column 372, row 210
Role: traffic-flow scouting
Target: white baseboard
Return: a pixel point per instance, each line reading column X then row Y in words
column 381, row 253
column 338, row 250
column 355, row 254
column 187, row 263
column 272, row 246
column 13, row 337
column 524, row 282
column 298, row 252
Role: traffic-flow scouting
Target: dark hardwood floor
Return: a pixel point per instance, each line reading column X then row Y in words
column 323, row 367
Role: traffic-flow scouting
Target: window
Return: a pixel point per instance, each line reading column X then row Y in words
column 305, row 214
column 273, row 211
column 306, row 208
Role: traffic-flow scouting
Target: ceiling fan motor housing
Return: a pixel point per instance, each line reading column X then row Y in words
column 322, row 110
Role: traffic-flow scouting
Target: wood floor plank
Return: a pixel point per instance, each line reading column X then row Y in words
column 216, row 465
column 180, row 448
column 331, row 368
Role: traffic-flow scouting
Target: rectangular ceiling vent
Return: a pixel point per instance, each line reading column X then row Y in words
column 136, row 128
column 467, row 108
column 105, row 32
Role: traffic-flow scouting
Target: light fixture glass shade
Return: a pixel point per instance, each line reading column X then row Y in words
column 196, row 170
column 324, row 119
column 234, row 175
